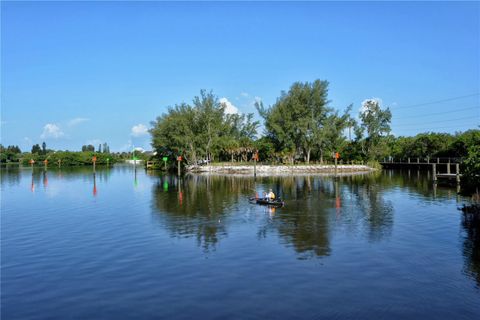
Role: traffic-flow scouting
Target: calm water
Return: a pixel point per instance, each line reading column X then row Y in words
column 121, row 245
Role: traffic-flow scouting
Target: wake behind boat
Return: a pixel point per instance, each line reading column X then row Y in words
column 268, row 202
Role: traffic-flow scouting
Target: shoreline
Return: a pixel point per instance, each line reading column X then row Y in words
column 267, row 170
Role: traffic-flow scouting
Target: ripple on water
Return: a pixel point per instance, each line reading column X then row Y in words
column 358, row 247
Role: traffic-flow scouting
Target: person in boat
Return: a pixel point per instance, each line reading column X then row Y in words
column 271, row 195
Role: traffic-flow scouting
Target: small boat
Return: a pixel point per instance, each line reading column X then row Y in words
column 268, row 202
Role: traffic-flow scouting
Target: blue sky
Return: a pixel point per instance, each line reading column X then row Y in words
column 74, row 73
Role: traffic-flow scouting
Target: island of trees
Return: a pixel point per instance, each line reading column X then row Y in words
column 302, row 126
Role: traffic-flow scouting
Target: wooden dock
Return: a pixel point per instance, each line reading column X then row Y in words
column 440, row 167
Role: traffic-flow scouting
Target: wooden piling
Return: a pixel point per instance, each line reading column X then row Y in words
column 336, row 167
column 448, row 167
column 457, row 171
column 434, row 170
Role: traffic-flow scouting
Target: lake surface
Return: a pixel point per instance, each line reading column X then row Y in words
column 125, row 244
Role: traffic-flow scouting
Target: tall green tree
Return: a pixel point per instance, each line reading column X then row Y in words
column 106, row 148
column 203, row 130
column 176, row 132
column 471, row 170
column 240, row 135
column 375, row 124
column 297, row 121
column 36, row 149
column 9, row 154
column 331, row 137
column 88, row 148
column 210, row 121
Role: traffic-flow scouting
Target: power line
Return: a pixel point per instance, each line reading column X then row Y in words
column 438, row 121
column 438, row 101
column 435, row 113
column 441, row 128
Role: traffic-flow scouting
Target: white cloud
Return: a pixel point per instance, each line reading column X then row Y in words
column 139, row 130
column 244, row 94
column 51, row 130
column 76, row 121
column 229, row 107
column 365, row 102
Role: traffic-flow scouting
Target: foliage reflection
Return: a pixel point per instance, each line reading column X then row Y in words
column 203, row 207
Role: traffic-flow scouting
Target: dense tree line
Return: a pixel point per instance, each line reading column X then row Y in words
column 301, row 122
column 202, row 130
column 433, row 144
column 69, row 158
column 9, row 154
column 301, row 126
column 40, row 153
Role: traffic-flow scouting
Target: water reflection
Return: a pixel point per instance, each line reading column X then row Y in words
column 382, row 235
column 10, row 176
column 45, row 179
column 54, row 176
column 32, row 185
column 376, row 211
column 303, row 223
column 204, row 206
column 94, row 184
column 316, row 206
column 135, row 179
column 198, row 206
column 471, row 245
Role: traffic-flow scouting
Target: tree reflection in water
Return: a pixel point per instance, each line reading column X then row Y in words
column 471, row 244
column 376, row 211
column 317, row 205
column 198, row 205
column 303, row 223
column 204, row 206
